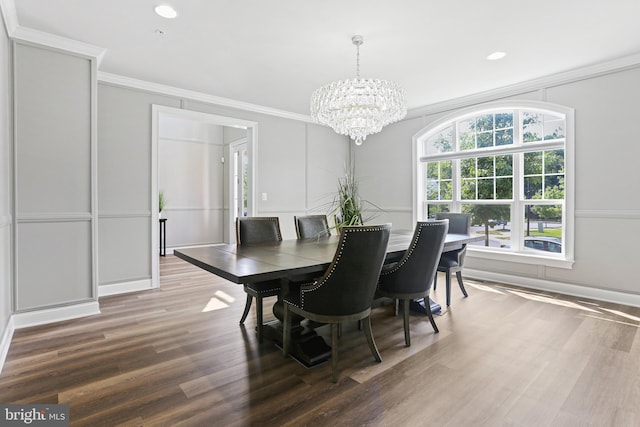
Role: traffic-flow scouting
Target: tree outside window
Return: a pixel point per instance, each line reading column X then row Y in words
column 507, row 169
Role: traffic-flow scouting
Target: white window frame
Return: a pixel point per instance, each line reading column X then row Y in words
column 564, row 260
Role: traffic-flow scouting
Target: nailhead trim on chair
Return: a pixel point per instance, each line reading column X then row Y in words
column 318, row 284
column 293, row 303
column 411, row 248
column 264, row 291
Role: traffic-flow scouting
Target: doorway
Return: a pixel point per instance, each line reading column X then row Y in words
column 233, row 156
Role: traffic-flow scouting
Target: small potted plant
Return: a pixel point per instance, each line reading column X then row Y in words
column 161, row 203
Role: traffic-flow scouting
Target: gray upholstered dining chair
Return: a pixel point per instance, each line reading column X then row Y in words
column 411, row 277
column 310, row 226
column 253, row 230
column 345, row 292
column 453, row 261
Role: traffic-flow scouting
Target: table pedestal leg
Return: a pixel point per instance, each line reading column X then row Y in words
column 418, row 306
column 307, row 347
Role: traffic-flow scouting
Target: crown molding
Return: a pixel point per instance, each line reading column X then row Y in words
column 15, row 31
column 58, row 42
column 8, row 8
column 545, row 82
column 198, row 96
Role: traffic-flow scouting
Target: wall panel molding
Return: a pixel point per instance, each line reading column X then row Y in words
column 194, row 208
column 608, row 214
column 274, row 212
column 54, row 217
column 190, row 141
column 124, row 214
column 55, row 184
column 396, row 210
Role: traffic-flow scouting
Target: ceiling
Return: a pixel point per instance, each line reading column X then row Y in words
column 274, row 53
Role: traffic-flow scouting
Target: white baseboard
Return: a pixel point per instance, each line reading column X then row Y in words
column 124, row 287
column 599, row 294
column 6, row 342
column 41, row 317
column 56, row 314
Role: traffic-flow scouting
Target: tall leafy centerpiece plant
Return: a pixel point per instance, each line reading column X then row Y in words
column 347, row 206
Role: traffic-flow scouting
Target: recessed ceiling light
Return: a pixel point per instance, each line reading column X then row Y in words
column 166, row 11
column 496, row 55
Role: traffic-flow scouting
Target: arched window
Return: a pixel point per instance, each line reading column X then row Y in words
column 510, row 165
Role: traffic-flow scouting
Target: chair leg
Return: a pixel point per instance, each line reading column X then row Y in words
column 435, row 281
column 459, row 277
column 247, row 307
column 405, row 319
column 448, row 282
column 334, row 352
column 259, row 317
column 286, row 332
column 372, row 344
column 431, row 319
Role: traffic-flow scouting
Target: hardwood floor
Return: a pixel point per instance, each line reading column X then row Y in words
column 505, row 356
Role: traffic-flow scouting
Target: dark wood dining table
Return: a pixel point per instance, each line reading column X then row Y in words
column 290, row 260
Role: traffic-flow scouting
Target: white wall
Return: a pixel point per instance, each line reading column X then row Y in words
column 297, row 162
column 124, row 186
column 607, row 207
column 192, row 178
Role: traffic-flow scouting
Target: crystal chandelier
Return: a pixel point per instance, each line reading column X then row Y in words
column 358, row 107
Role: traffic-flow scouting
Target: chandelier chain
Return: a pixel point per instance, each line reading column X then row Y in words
column 357, row 61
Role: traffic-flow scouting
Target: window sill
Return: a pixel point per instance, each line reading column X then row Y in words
column 520, row 257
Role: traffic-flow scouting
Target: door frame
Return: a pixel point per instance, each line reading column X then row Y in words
column 157, row 113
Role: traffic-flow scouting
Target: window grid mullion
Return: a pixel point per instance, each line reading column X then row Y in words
column 455, row 170
column 517, row 150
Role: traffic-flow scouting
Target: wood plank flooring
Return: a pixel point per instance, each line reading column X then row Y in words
column 176, row 356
